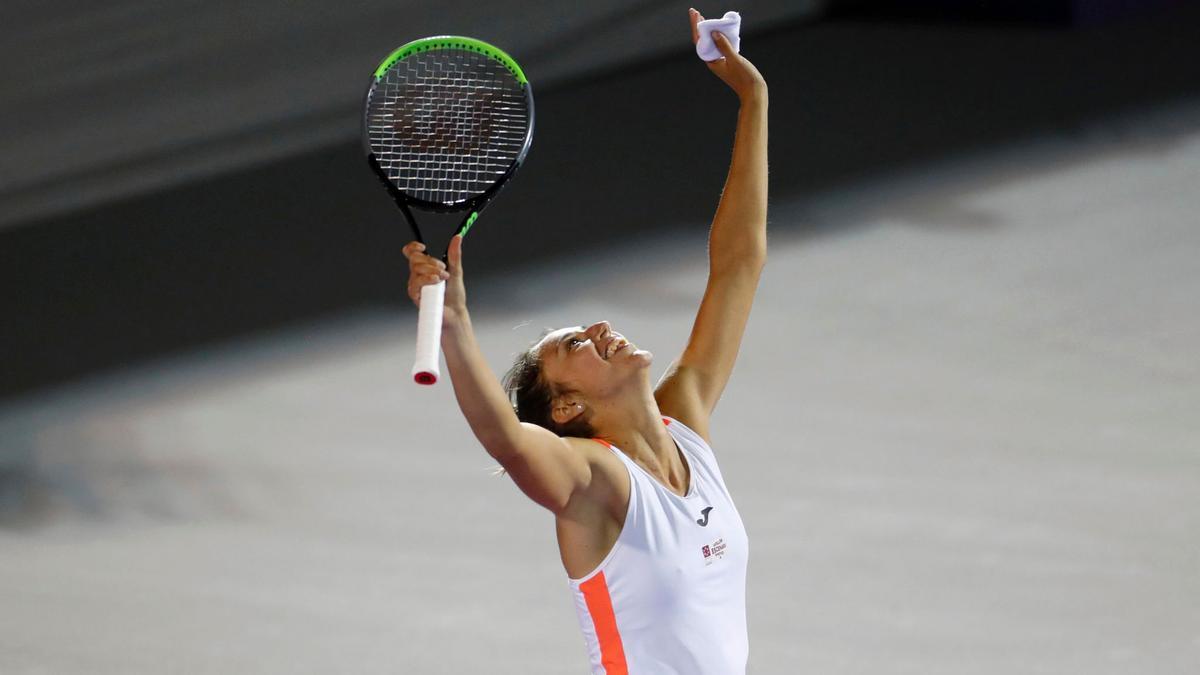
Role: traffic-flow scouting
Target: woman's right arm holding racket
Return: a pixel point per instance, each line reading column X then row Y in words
column 542, row 464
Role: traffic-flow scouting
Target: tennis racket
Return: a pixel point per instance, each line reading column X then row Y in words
column 446, row 123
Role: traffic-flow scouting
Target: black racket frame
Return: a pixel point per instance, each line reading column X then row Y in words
column 473, row 206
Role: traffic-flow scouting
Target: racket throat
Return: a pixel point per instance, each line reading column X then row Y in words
column 470, row 220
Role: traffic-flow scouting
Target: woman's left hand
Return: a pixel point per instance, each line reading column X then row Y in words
column 733, row 69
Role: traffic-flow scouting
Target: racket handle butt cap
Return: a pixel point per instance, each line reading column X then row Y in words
column 425, row 378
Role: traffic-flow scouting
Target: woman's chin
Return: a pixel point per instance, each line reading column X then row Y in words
column 642, row 357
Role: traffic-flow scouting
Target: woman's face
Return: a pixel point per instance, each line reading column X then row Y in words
column 592, row 360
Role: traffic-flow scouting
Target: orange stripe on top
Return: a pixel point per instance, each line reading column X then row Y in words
column 599, row 604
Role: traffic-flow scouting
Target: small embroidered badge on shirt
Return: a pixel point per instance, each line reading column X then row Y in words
column 713, row 551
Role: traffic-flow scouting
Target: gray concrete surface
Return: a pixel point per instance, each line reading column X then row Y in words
column 962, row 435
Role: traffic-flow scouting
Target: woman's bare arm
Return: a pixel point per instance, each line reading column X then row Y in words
column 737, row 249
column 543, row 465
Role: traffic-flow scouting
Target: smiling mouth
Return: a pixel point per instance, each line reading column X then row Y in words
column 621, row 343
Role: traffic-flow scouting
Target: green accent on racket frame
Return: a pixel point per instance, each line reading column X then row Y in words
column 467, row 225
column 451, row 42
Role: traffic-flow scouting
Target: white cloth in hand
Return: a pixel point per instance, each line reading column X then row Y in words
column 728, row 25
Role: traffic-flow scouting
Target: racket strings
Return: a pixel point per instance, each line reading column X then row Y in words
column 446, row 125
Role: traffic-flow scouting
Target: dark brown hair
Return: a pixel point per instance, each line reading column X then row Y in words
column 531, row 394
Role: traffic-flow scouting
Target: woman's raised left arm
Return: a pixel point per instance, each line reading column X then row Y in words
column 737, row 251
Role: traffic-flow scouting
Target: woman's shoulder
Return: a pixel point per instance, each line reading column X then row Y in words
column 688, row 432
column 610, row 481
column 601, row 456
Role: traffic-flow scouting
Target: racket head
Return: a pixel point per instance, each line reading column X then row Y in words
column 447, row 120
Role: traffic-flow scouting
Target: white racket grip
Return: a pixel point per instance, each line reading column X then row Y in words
column 429, row 333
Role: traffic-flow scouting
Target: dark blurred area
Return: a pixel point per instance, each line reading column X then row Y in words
column 1050, row 12
column 272, row 231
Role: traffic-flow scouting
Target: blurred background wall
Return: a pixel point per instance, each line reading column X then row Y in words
column 176, row 175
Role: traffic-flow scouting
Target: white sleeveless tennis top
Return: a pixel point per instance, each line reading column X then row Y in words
column 670, row 598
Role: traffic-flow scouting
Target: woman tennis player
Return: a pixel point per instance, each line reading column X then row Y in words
column 653, row 547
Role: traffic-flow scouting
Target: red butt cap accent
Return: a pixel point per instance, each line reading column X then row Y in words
column 425, row 378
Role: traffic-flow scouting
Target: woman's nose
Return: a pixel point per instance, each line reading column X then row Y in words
column 598, row 328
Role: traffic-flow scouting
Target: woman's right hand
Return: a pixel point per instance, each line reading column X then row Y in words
column 425, row 270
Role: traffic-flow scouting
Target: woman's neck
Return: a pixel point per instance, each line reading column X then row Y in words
column 635, row 425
